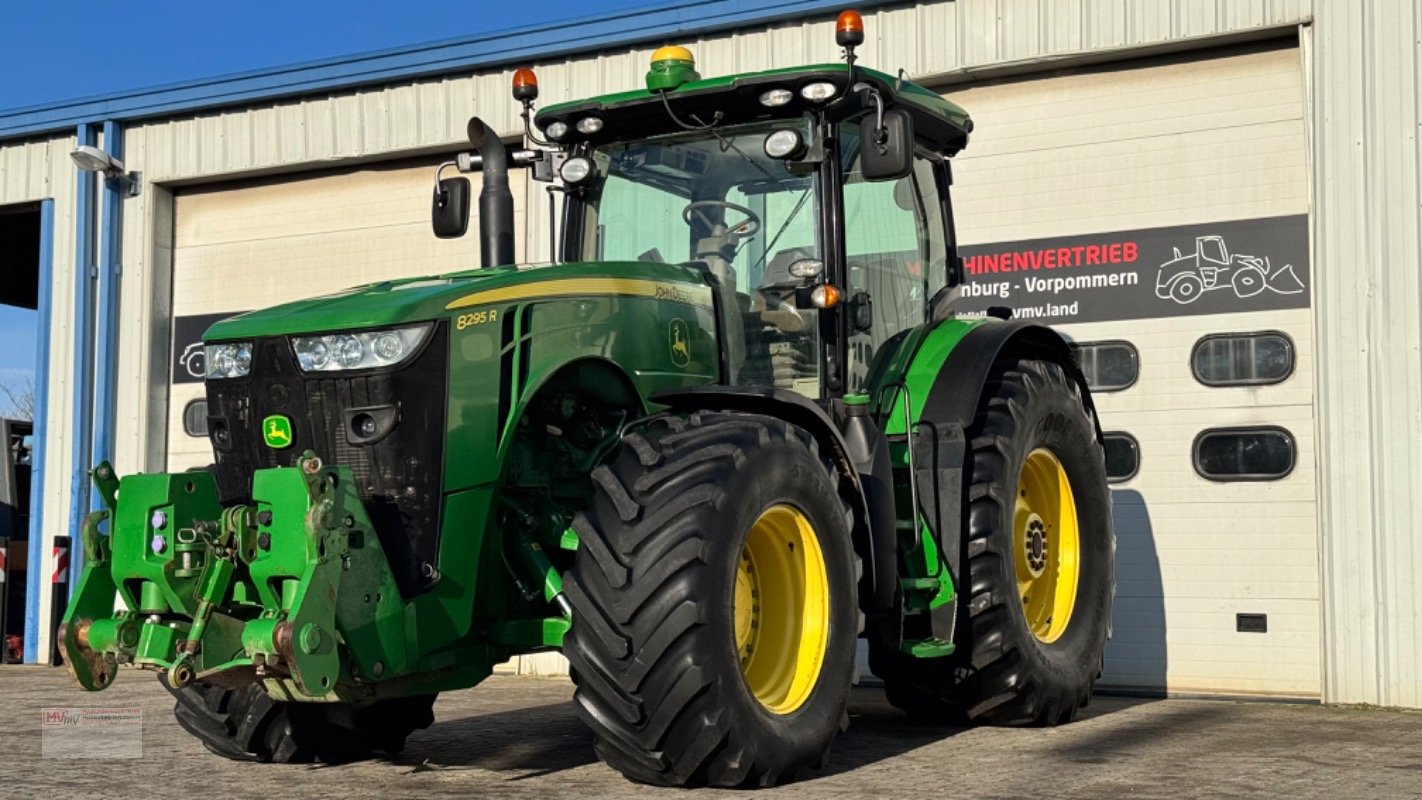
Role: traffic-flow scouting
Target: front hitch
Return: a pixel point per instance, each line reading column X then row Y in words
column 231, row 596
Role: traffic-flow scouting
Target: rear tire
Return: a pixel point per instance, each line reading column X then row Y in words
column 1017, row 663
column 676, row 667
column 248, row 725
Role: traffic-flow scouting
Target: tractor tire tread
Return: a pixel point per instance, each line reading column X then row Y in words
column 246, row 724
column 638, row 642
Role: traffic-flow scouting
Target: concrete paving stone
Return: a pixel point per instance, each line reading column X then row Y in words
column 519, row 736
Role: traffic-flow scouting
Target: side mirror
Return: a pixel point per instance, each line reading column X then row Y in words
column 886, row 153
column 861, row 312
column 449, row 211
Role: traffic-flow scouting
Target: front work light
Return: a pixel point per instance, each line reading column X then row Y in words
column 575, row 170
column 807, row 267
column 336, row 352
column 228, row 360
column 776, row 97
column 785, row 144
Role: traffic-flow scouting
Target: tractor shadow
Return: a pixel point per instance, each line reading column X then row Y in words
column 1137, row 658
column 878, row 731
column 526, row 742
column 542, row 740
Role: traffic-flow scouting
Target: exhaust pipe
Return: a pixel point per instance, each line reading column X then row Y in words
column 496, row 213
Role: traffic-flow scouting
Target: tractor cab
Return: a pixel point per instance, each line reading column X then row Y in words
column 815, row 200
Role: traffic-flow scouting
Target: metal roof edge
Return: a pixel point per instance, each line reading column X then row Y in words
column 546, row 40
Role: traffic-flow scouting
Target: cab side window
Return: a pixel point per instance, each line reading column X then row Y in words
column 896, row 253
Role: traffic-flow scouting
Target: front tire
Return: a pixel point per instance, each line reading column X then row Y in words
column 714, row 603
column 1039, row 560
column 245, row 724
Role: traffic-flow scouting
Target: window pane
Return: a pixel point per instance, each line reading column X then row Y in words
column 1243, row 359
column 895, row 242
column 637, row 221
column 1108, row 366
column 1244, row 454
column 1123, row 456
column 195, row 418
column 751, row 219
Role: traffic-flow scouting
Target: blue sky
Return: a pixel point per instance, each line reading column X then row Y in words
column 65, row 50
column 17, row 356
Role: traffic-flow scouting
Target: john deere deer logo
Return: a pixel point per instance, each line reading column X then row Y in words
column 276, row 431
column 679, row 341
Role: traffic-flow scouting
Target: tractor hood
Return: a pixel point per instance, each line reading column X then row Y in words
column 407, row 300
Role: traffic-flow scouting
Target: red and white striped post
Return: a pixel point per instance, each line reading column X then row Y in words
column 4, row 599
column 59, row 592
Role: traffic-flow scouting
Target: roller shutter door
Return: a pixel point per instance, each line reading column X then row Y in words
column 1141, row 155
column 253, row 244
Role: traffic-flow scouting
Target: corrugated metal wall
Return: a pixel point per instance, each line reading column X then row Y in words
column 929, row 40
column 1368, row 247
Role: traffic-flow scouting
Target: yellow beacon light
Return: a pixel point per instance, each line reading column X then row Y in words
column 672, row 66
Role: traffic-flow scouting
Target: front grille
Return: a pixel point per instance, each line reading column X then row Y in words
column 398, row 477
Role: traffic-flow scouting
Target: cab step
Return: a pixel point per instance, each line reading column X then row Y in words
column 928, row 648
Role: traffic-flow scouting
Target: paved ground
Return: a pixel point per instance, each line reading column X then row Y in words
column 519, row 736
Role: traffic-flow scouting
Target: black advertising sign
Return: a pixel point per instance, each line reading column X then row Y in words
column 188, row 363
column 1216, row 268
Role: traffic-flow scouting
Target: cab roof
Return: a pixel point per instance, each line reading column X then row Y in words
column 737, row 99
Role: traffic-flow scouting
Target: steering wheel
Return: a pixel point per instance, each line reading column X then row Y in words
column 746, row 227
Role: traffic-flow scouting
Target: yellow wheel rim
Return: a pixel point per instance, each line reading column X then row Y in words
column 1046, row 545
column 781, row 609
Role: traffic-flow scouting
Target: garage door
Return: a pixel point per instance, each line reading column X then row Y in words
column 249, row 245
column 1157, row 213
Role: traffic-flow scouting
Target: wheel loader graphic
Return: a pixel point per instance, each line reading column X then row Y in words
column 1187, row 276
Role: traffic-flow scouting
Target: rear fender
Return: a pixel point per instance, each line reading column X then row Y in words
column 945, row 377
column 947, row 374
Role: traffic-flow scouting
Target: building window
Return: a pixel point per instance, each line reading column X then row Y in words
column 1123, row 456
column 1243, row 359
column 1244, row 454
column 1108, row 366
column 195, row 418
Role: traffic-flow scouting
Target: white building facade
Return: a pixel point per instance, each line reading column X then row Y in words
column 1266, row 430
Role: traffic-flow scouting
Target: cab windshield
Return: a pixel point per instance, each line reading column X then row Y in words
column 716, row 198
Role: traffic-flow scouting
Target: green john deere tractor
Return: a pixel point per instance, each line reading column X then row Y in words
column 734, row 428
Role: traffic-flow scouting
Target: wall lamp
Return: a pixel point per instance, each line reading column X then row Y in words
column 92, row 159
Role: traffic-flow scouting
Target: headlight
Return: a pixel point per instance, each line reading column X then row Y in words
column 335, row 352
column 556, row 130
column 817, row 92
column 228, row 360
